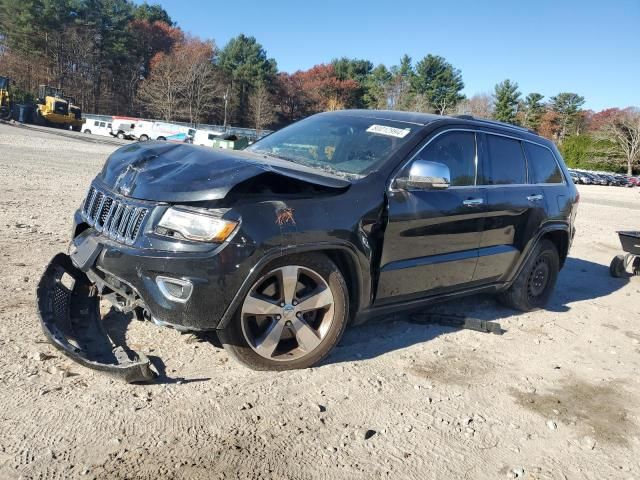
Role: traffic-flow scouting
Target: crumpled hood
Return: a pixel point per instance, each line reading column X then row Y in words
column 170, row 172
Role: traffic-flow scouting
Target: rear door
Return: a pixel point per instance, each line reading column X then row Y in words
column 432, row 236
column 515, row 207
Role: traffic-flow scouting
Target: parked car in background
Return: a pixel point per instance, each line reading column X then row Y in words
column 164, row 131
column 585, row 178
column 97, row 127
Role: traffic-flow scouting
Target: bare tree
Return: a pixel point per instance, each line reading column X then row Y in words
column 261, row 107
column 162, row 90
column 480, row 105
column 624, row 131
column 202, row 82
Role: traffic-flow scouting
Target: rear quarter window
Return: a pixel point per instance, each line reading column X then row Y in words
column 543, row 167
column 505, row 163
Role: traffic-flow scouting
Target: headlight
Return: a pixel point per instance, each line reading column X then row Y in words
column 195, row 226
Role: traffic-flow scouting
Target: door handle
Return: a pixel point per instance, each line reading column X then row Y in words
column 473, row 202
column 535, row 198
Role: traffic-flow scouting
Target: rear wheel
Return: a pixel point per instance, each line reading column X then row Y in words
column 87, row 131
column 617, row 267
column 534, row 285
column 292, row 316
column 162, row 139
column 120, row 135
column 143, row 138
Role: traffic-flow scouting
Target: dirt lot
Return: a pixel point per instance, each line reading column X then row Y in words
column 556, row 396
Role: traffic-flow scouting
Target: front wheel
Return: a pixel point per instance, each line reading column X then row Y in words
column 143, row 138
column 292, row 316
column 120, row 135
column 87, row 131
column 534, row 285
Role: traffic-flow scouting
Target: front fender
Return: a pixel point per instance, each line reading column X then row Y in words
column 358, row 260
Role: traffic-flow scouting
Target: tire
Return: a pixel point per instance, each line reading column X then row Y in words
column 247, row 334
column 120, row 135
column 635, row 266
column 161, row 139
column 617, row 268
column 87, row 131
column 143, row 138
column 534, row 285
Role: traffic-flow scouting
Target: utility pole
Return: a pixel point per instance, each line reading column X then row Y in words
column 226, row 97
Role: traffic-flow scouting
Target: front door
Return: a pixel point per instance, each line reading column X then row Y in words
column 432, row 236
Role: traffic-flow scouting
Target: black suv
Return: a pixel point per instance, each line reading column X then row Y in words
column 336, row 218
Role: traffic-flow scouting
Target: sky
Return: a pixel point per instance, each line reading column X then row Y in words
column 590, row 47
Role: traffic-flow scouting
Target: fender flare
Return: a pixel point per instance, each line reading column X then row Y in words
column 556, row 226
column 362, row 275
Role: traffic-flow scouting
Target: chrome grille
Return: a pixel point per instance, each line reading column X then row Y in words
column 112, row 216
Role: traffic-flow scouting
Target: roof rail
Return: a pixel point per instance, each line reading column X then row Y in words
column 495, row 122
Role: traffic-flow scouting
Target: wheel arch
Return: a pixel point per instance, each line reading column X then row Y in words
column 560, row 238
column 343, row 255
column 558, row 233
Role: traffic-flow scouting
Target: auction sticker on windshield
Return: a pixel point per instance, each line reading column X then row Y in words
column 389, row 131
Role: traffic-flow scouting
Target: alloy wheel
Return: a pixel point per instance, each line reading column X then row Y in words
column 287, row 313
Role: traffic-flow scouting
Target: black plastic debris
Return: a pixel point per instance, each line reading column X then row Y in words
column 70, row 316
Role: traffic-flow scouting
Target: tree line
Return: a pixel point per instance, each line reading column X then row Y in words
column 117, row 57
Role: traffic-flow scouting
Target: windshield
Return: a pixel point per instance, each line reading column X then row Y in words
column 345, row 145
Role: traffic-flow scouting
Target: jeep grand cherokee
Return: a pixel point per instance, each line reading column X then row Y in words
column 336, row 218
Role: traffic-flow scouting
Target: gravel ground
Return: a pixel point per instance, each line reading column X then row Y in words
column 555, row 397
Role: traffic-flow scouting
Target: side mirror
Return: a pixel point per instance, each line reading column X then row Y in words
column 426, row 175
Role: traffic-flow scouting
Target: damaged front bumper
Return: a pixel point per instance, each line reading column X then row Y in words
column 69, row 311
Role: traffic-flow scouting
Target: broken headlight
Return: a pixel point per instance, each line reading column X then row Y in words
column 195, row 225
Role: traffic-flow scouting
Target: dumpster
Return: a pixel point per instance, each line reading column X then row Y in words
column 23, row 112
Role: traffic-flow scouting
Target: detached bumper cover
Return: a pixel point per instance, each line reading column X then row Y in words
column 70, row 317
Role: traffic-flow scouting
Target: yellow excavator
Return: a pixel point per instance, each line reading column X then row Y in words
column 53, row 109
column 5, row 99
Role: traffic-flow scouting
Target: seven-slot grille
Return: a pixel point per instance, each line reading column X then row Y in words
column 113, row 217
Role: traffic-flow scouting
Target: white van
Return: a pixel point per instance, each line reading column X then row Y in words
column 123, row 127
column 163, row 131
column 97, row 127
column 206, row 137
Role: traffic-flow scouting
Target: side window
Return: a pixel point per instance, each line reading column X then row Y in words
column 543, row 167
column 506, row 164
column 457, row 150
column 211, row 136
column 96, row 123
column 102, row 124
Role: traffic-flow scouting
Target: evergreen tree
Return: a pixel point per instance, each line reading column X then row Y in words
column 567, row 106
column 399, row 94
column 439, row 83
column 356, row 70
column 531, row 111
column 377, row 84
column 246, row 64
column 506, row 97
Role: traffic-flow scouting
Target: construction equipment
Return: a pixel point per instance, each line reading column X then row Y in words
column 5, row 99
column 52, row 110
column 75, row 114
